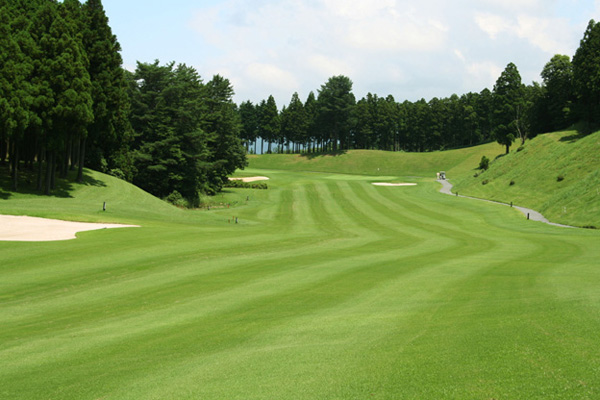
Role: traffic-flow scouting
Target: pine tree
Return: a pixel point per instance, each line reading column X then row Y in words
column 586, row 75
column 223, row 126
column 336, row 101
column 508, row 107
column 110, row 132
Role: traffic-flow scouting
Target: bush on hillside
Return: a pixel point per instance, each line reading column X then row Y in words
column 484, row 164
column 176, row 199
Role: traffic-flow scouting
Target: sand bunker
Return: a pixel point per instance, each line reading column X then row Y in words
column 33, row 229
column 250, row 179
column 393, row 184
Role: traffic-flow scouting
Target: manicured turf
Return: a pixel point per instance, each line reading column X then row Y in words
column 327, row 288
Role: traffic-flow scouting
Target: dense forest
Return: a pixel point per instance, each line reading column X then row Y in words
column 67, row 103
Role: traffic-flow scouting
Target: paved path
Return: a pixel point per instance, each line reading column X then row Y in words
column 533, row 215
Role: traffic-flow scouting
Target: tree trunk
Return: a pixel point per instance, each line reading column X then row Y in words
column 3, row 150
column 40, row 182
column 65, row 164
column 53, row 171
column 15, row 165
column 49, row 163
column 75, row 155
column 81, row 160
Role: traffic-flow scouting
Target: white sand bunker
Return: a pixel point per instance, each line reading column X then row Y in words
column 33, row 229
column 250, row 179
column 393, row 184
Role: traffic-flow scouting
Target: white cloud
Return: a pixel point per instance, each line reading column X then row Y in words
column 271, row 76
column 280, row 46
column 483, row 74
column 551, row 35
column 493, row 24
column 329, row 66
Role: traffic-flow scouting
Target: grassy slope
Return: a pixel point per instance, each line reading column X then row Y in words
column 371, row 162
column 575, row 200
column 329, row 288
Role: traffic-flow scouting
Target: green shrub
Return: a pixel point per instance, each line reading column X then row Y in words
column 245, row 185
column 484, row 164
column 560, row 178
column 511, row 182
column 117, row 173
column 176, row 199
column 485, row 182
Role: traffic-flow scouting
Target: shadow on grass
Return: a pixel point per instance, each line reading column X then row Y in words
column 311, row 156
column 574, row 137
column 27, row 183
column 89, row 181
column 582, row 129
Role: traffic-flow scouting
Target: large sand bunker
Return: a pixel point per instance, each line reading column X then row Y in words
column 250, row 179
column 33, row 229
column 393, row 184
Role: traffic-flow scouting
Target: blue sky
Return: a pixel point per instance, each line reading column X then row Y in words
column 409, row 49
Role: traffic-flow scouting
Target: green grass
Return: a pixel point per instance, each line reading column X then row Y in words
column 372, row 162
column 327, row 288
column 557, row 174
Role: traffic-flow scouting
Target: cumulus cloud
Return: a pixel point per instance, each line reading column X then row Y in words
column 551, row 35
column 280, row 46
column 271, row 76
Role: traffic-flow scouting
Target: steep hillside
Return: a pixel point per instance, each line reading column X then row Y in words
column 557, row 174
column 372, row 162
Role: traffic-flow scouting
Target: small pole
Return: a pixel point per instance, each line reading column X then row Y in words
column 527, row 215
column 511, row 204
column 104, row 206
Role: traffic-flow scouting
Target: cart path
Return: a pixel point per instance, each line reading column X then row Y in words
column 533, row 215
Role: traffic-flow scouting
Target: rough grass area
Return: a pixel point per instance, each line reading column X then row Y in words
column 327, row 288
column 557, row 174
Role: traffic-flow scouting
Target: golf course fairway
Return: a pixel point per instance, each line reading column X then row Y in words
column 327, row 287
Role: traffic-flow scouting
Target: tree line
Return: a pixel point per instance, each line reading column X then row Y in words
column 334, row 120
column 66, row 102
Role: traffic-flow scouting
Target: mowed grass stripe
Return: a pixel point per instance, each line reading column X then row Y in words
column 167, row 323
column 340, row 327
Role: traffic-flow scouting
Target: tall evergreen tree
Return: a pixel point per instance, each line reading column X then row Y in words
column 294, row 121
column 249, row 119
column 336, row 101
column 223, row 127
column 557, row 76
column 586, row 74
column 508, row 106
column 312, row 131
column 110, row 132
column 269, row 121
